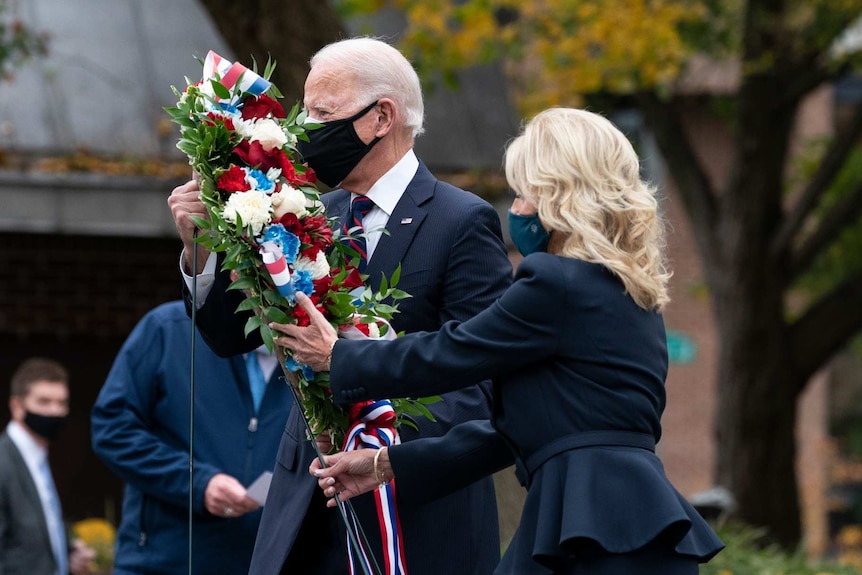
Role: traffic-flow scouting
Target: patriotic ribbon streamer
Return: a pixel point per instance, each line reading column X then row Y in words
column 233, row 73
column 276, row 265
column 373, row 427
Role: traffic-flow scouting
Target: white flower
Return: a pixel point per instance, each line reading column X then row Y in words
column 243, row 127
column 288, row 200
column 373, row 330
column 319, row 268
column 253, row 207
column 269, row 133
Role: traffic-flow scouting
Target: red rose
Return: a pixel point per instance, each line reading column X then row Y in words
column 318, row 230
column 214, row 120
column 323, row 285
column 291, row 223
column 310, row 252
column 253, row 154
column 306, row 177
column 301, row 316
column 261, row 107
column 233, row 180
column 352, row 280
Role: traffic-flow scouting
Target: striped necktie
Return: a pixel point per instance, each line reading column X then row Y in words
column 359, row 208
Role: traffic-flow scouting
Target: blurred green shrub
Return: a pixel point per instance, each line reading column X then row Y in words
column 749, row 553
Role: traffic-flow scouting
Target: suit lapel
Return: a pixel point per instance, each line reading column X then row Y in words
column 403, row 224
column 26, row 481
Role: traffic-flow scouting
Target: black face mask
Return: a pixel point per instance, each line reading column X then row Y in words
column 45, row 426
column 334, row 149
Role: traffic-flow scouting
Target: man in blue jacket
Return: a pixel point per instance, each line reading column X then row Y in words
column 140, row 429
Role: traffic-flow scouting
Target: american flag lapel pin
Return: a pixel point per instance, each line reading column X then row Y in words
column 405, row 221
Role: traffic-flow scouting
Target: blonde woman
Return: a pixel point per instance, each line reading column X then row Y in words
column 577, row 352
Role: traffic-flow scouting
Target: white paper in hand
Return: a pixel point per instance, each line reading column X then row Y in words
column 260, row 487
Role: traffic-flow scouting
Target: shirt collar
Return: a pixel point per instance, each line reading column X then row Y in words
column 32, row 452
column 386, row 191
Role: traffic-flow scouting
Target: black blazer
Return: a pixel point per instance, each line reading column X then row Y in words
column 454, row 264
column 578, row 371
column 25, row 546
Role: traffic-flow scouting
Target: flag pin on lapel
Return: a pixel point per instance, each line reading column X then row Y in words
column 405, row 221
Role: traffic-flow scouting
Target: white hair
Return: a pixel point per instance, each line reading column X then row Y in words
column 381, row 71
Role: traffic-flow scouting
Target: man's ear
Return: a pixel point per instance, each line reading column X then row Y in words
column 386, row 113
column 16, row 408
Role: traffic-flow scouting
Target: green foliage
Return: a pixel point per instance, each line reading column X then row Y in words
column 557, row 51
column 749, row 553
column 843, row 258
column 18, row 43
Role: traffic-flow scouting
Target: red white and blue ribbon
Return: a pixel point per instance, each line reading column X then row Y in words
column 233, row 73
column 374, row 428
column 276, row 265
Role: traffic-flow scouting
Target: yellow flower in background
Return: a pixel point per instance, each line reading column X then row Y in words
column 99, row 535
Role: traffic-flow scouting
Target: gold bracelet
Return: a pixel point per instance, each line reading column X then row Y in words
column 329, row 355
column 380, row 478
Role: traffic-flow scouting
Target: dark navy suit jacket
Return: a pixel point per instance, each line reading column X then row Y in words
column 454, row 265
column 578, row 371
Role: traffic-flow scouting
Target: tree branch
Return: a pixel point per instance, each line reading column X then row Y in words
column 825, row 328
column 833, row 223
column 831, row 164
column 691, row 179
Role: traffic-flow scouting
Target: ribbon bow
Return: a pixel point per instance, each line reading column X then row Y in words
column 233, row 73
column 373, row 427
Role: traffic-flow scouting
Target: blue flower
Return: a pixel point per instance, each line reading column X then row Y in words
column 287, row 241
column 302, row 281
column 260, row 181
column 295, row 366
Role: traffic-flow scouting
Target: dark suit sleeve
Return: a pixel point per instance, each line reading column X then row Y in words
column 433, row 467
column 520, row 329
column 221, row 327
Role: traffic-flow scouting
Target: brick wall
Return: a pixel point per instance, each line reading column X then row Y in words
column 75, row 299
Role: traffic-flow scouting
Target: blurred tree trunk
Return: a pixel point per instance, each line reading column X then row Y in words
column 288, row 32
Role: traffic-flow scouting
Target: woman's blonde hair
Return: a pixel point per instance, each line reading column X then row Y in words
column 583, row 175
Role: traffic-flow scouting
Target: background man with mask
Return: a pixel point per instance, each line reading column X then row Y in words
column 32, row 534
column 454, row 264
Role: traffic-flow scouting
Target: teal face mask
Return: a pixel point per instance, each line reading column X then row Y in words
column 528, row 233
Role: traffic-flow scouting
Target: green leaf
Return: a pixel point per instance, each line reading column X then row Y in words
column 253, row 323
column 220, row 91
column 248, row 304
column 201, row 223
column 397, row 294
column 276, row 315
column 242, row 283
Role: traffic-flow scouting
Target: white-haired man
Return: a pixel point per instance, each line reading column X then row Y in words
column 454, row 264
